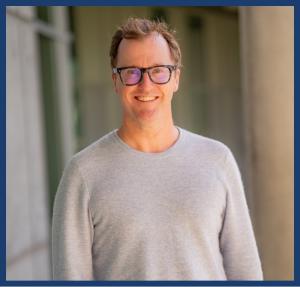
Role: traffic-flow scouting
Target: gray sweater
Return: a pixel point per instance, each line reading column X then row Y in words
column 181, row 214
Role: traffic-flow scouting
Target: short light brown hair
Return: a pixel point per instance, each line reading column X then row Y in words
column 137, row 28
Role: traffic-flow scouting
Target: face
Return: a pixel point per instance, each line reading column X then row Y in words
column 146, row 102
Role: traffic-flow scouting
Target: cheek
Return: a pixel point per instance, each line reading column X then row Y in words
column 172, row 88
column 168, row 94
column 119, row 88
column 124, row 93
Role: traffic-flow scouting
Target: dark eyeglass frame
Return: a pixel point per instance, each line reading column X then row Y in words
column 145, row 70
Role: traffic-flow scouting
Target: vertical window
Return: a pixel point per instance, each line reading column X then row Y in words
column 52, row 131
column 53, row 43
column 44, row 13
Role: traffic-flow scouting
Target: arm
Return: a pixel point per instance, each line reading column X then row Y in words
column 238, row 246
column 72, row 228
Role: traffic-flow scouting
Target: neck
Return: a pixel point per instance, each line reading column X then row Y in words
column 150, row 139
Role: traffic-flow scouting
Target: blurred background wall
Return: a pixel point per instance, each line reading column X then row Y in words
column 237, row 86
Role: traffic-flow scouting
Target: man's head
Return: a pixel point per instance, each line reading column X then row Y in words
column 136, row 28
column 145, row 58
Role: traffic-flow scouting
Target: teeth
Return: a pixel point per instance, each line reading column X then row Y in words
column 145, row 98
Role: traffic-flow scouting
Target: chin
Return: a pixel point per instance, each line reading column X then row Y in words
column 147, row 114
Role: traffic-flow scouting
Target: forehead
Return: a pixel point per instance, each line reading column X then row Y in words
column 144, row 52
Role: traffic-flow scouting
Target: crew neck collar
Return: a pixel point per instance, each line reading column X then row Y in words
column 137, row 152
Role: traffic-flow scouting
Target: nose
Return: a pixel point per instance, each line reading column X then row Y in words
column 145, row 82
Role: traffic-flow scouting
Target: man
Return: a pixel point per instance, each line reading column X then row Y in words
column 151, row 201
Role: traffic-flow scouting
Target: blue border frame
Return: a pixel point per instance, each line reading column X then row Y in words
column 150, row 283
column 296, row 142
column 3, row 282
column 150, row 3
column 3, row 141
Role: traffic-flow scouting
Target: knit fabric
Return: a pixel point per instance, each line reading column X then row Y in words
column 181, row 214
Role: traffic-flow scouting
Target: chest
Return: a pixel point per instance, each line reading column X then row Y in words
column 151, row 196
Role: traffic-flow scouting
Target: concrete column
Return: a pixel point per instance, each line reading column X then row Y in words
column 267, row 41
column 27, row 214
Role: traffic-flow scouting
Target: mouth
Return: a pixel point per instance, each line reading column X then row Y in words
column 146, row 98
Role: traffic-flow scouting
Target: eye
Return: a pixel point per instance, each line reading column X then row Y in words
column 157, row 70
column 132, row 72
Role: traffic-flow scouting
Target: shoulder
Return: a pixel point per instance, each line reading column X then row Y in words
column 94, row 155
column 215, row 155
column 201, row 145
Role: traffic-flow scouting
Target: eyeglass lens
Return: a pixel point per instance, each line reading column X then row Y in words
column 158, row 75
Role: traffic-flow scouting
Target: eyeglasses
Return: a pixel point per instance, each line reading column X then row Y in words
column 131, row 76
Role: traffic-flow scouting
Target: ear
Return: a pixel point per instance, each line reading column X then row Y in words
column 176, row 79
column 114, row 78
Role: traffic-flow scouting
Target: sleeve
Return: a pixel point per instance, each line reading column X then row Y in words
column 237, row 242
column 72, row 228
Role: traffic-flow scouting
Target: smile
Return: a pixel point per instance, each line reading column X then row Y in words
column 146, row 98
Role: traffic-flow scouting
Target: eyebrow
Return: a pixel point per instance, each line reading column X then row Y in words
column 154, row 65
